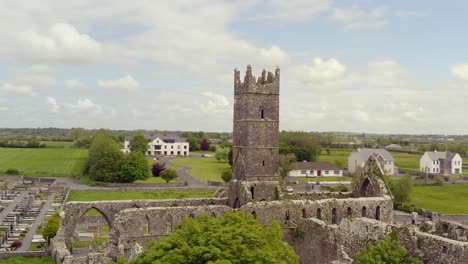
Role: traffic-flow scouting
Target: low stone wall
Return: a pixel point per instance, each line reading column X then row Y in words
column 11, row 254
column 317, row 195
column 143, row 185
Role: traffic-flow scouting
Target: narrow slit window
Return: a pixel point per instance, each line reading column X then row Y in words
column 262, row 114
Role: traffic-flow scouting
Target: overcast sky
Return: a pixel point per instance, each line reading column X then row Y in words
column 360, row 66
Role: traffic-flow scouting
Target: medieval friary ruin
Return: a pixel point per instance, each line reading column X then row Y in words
column 323, row 227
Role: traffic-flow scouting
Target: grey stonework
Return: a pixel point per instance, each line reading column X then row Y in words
column 322, row 227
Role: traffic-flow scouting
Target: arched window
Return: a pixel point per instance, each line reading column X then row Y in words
column 287, row 215
column 349, row 212
column 364, row 212
column 334, row 216
column 319, row 214
column 254, row 214
column 252, row 192
column 377, row 213
column 303, row 213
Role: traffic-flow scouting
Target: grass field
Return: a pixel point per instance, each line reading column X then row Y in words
column 205, row 169
column 339, row 157
column 406, row 161
column 45, row 162
column 23, row 260
column 446, row 199
column 58, row 144
column 136, row 195
column 321, row 179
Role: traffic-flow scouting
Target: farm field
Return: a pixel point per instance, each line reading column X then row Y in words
column 58, row 144
column 94, row 195
column 406, row 161
column 204, row 169
column 339, row 157
column 23, row 260
column 44, row 162
column 446, row 199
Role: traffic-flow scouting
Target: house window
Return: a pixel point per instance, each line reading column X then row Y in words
column 172, row 152
column 185, row 147
column 185, row 153
column 172, row 147
column 337, row 172
column 303, row 172
column 326, row 172
column 165, row 146
column 157, row 146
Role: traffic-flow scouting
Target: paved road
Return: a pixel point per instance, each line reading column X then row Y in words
column 40, row 217
column 12, row 205
column 184, row 175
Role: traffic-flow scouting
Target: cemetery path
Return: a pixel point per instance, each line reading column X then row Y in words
column 12, row 206
column 40, row 217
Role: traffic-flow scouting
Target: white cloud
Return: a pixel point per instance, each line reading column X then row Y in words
column 86, row 106
column 12, row 89
column 34, row 75
column 294, row 11
column 127, row 83
column 355, row 18
column 460, row 71
column 3, row 108
column 214, row 103
column 74, row 84
column 321, row 70
column 53, row 105
column 61, row 43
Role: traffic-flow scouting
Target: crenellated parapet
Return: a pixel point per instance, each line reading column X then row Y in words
column 267, row 83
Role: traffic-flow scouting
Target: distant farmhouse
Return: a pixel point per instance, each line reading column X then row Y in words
column 358, row 158
column 162, row 144
column 444, row 162
column 316, row 169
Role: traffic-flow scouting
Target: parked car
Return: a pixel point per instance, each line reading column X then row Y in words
column 206, row 155
column 289, row 189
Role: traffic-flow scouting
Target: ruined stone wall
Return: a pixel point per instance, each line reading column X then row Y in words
column 148, row 224
column 316, row 195
column 74, row 211
column 451, row 230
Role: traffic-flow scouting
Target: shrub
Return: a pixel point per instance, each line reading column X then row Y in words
column 13, row 172
column 168, row 175
column 157, row 168
column 340, row 188
column 439, row 180
column 227, row 175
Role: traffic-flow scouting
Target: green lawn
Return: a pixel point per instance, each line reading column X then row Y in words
column 339, row 157
column 205, row 169
column 46, row 162
column 321, row 179
column 32, row 260
column 447, row 199
column 406, row 161
column 138, row 195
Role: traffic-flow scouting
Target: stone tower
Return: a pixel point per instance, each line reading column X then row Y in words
column 255, row 138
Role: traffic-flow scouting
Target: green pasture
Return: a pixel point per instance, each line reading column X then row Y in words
column 95, row 195
column 339, row 157
column 57, row 144
column 204, row 169
column 31, row 260
column 44, row 162
column 446, row 199
column 406, row 161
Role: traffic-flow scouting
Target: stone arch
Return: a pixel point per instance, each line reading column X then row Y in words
column 104, row 215
column 364, row 187
column 86, row 222
column 364, row 211
column 377, row 213
column 236, row 203
column 254, row 214
column 334, row 217
column 319, row 214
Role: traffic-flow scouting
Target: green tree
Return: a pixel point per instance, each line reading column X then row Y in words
column 194, row 143
column 134, row 167
column 386, row 251
column 139, row 143
column 233, row 238
column 287, row 163
column 304, row 145
column 222, row 154
column 226, row 175
column 401, row 189
column 51, row 228
column 168, row 175
column 77, row 133
column 104, row 158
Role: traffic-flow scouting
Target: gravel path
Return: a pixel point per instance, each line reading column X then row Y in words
column 184, row 175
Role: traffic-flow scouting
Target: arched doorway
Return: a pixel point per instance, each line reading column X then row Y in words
column 364, row 188
column 91, row 232
column 364, row 211
column 349, row 212
column 377, row 213
column 334, row 217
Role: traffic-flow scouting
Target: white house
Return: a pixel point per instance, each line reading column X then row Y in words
column 357, row 159
column 162, row 144
column 316, row 169
column 444, row 162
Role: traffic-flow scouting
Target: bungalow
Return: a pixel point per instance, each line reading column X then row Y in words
column 162, row 144
column 444, row 162
column 359, row 157
column 316, row 169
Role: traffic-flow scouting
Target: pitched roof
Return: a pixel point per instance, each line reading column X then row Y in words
column 365, row 153
column 151, row 137
column 316, row 166
column 435, row 155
